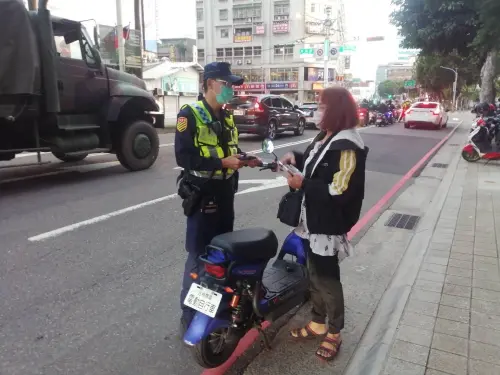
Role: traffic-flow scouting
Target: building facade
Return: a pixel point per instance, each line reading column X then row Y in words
column 262, row 40
column 394, row 72
column 178, row 49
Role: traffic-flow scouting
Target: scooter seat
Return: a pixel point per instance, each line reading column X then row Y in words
column 249, row 244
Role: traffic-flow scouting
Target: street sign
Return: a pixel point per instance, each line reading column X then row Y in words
column 343, row 49
column 306, row 52
column 411, row 84
column 333, row 51
column 319, row 52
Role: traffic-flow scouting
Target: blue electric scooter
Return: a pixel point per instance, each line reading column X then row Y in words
column 239, row 288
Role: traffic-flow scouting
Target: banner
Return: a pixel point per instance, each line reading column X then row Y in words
column 109, row 53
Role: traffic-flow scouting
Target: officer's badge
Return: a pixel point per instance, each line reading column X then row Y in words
column 182, row 123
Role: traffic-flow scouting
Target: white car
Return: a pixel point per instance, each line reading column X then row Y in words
column 312, row 116
column 426, row 114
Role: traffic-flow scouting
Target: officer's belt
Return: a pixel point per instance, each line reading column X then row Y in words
column 207, row 175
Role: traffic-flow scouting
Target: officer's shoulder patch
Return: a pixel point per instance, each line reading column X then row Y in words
column 182, row 123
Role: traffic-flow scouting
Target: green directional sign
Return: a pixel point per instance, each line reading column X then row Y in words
column 306, row 52
column 411, row 84
column 347, row 49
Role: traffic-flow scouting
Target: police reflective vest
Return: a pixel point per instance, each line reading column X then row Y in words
column 207, row 141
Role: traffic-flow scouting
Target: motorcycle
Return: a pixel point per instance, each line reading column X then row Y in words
column 384, row 119
column 479, row 145
column 240, row 289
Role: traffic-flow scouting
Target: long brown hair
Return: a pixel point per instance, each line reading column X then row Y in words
column 340, row 110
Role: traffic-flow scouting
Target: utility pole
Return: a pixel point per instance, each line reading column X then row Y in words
column 326, row 45
column 119, row 35
column 32, row 4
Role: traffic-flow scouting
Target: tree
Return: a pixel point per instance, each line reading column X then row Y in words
column 390, row 88
column 469, row 28
column 431, row 77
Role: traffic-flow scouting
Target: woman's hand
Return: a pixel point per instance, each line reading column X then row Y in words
column 289, row 158
column 295, row 180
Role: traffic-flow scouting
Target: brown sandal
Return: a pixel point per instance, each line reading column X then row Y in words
column 297, row 334
column 327, row 354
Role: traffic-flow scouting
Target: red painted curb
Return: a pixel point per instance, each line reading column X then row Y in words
column 253, row 334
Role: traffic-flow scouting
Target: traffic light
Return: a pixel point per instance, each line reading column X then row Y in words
column 390, row 96
column 348, row 62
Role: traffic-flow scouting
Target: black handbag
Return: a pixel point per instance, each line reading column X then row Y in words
column 290, row 208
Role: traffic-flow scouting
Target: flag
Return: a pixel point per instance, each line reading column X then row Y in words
column 115, row 37
column 126, row 32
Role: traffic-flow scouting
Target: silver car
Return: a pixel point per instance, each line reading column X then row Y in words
column 312, row 115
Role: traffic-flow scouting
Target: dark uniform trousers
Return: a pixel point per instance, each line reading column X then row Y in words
column 215, row 216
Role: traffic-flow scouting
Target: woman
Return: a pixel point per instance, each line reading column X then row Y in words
column 333, row 180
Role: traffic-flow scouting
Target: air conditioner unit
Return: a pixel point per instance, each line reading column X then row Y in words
column 249, row 62
column 239, row 62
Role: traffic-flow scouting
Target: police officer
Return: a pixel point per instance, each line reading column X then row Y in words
column 206, row 147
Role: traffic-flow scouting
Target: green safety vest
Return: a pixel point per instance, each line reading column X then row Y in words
column 206, row 139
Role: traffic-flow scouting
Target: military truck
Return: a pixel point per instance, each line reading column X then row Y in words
column 64, row 100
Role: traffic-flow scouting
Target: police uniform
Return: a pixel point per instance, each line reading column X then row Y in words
column 202, row 140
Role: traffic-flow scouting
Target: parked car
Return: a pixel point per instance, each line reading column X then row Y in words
column 266, row 115
column 312, row 115
column 431, row 114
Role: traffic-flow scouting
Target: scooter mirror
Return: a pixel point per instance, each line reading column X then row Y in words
column 267, row 146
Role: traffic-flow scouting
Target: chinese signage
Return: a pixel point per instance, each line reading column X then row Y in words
column 314, row 28
column 280, row 27
column 242, row 38
column 259, row 30
column 317, row 74
column 343, row 49
column 282, row 86
column 306, row 53
column 317, row 86
column 410, row 84
column 250, row 86
column 108, row 47
column 174, row 85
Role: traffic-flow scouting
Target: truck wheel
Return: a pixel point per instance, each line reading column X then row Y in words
column 70, row 157
column 138, row 146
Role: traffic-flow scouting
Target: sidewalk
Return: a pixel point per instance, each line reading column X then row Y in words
column 418, row 301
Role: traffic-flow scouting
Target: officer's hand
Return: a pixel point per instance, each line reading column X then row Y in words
column 289, row 158
column 232, row 162
column 257, row 162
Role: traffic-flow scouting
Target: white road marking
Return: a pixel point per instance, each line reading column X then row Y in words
column 98, row 219
column 263, row 185
column 76, row 168
column 26, row 154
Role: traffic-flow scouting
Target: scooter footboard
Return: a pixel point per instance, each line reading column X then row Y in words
column 201, row 326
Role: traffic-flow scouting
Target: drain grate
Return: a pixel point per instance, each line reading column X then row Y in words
column 402, row 221
column 439, row 165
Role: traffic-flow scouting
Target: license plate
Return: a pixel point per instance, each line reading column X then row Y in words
column 238, row 112
column 203, row 300
column 379, row 121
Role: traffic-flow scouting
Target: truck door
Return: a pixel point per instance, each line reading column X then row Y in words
column 82, row 83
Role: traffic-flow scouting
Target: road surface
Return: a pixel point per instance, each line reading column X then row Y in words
column 92, row 255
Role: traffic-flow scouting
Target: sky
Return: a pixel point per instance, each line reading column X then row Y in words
column 179, row 21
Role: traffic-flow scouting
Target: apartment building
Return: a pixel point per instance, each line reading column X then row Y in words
column 262, row 40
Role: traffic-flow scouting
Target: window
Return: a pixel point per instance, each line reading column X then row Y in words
column 282, row 9
column 238, row 52
column 247, row 12
column 286, row 104
column 223, row 14
column 257, row 51
column 201, row 33
column 313, row 8
column 199, row 14
column 278, row 51
column 224, row 33
column 229, row 52
column 219, row 52
column 276, row 103
column 70, row 51
column 244, row 31
column 201, row 53
column 284, row 74
column 289, row 50
column 248, row 51
column 267, row 102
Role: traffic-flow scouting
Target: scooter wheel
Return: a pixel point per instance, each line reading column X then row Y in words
column 209, row 353
column 471, row 158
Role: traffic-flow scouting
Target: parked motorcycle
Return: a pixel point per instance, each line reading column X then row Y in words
column 239, row 290
column 479, row 145
column 384, row 119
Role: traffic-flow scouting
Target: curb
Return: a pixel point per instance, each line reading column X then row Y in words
column 370, row 356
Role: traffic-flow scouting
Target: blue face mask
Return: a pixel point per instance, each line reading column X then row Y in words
column 225, row 96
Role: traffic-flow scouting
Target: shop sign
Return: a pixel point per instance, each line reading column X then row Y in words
column 242, row 38
column 282, row 86
column 249, row 86
column 260, row 30
column 314, row 28
column 280, row 27
column 317, row 86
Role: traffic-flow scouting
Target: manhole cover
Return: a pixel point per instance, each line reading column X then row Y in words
column 402, row 221
column 439, row 165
